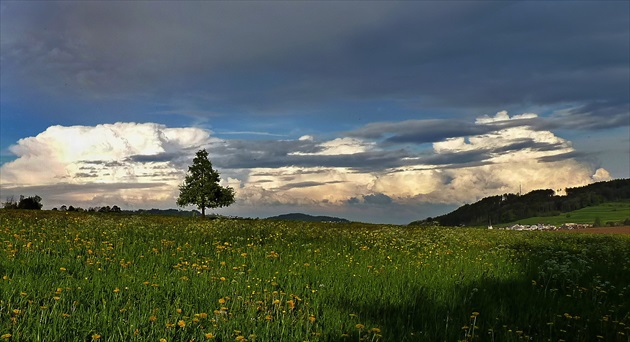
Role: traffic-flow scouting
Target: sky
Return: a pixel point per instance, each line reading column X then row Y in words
column 384, row 112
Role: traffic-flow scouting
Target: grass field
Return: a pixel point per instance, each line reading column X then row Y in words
column 608, row 212
column 100, row 277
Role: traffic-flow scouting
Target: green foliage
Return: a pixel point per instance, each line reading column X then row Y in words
column 75, row 276
column 611, row 211
column 201, row 186
column 511, row 207
column 597, row 222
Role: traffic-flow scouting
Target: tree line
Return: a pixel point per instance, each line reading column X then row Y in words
column 35, row 203
column 512, row 207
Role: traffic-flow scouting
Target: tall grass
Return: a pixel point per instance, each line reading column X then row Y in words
column 80, row 277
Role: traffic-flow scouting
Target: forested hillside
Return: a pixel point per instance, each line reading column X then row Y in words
column 511, row 207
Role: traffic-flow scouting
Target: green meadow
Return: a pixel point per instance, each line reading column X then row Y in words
column 107, row 277
column 616, row 212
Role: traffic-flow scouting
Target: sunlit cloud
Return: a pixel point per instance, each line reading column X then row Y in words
column 141, row 165
column 134, row 163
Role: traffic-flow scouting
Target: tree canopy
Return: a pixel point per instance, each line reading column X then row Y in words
column 32, row 203
column 201, row 186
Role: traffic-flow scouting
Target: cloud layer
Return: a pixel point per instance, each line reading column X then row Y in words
column 279, row 57
column 381, row 166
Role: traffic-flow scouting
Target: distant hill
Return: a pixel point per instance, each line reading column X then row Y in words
column 542, row 203
column 306, row 218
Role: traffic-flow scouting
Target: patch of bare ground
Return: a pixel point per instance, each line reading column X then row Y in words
column 600, row 230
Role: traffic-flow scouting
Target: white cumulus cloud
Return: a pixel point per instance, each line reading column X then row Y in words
column 141, row 165
column 131, row 162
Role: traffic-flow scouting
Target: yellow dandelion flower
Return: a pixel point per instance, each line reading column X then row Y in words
column 221, row 301
column 241, row 338
column 203, row 315
column 6, row 336
column 96, row 336
column 359, row 326
column 222, row 278
column 268, row 317
column 62, row 269
column 16, row 312
column 162, row 340
column 179, row 311
column 291, row 304
column 209, row 335
column 116, row 290
column 23, row 294
column 181, row 323
column 311, row 318
column 152, row 318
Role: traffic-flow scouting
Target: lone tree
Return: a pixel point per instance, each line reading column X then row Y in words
column 201, row 186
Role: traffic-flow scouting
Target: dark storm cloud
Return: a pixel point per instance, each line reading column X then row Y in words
column 283, row 56
column 434, row 130
column 366, row 161
column 155, row 158
column 309, row 184
column 419, row 131
column 564, row 156
column 594, row 115
column 379, row 198
column 523, row 144
column 245, row 154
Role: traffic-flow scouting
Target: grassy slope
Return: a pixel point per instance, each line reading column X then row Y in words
column 612, row 211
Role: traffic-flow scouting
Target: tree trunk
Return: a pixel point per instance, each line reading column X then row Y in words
column 203, row 211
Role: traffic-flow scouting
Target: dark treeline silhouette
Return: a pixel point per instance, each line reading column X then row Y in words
column 105, row 209
column 116, row 209
column 32, row 203
column 306, row 218
column 511, row 207
column 167, row 212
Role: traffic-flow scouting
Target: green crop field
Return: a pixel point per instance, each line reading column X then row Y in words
column 102, row 277
column 607, row 212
